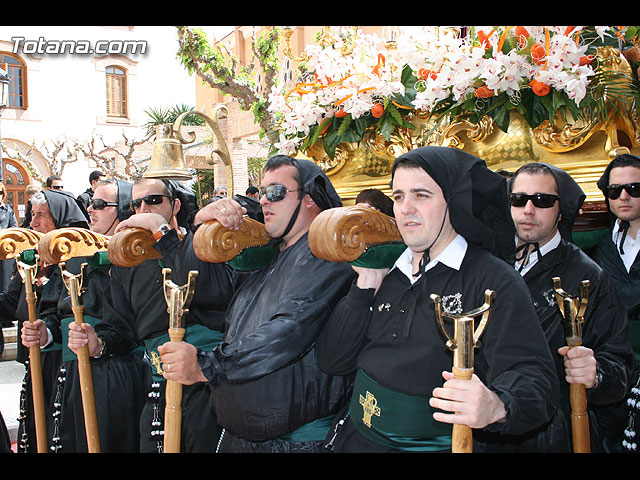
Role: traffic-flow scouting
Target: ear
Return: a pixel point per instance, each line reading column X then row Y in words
column 176, row 206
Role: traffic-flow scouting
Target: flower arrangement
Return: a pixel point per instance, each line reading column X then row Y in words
column 539, row 71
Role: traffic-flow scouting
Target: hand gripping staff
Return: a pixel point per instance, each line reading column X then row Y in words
column 178, row 299
column 56, row 247
column 573, row 310
column 13, row 243
column 464, row 340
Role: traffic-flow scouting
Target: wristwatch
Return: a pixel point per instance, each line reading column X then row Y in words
column 161, row 232
column 102, row 349
column 598, row 377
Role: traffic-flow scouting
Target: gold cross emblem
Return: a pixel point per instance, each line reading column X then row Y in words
column 155, row 360
column 370, row 407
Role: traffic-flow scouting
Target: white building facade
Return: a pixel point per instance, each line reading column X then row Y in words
column 74, row 83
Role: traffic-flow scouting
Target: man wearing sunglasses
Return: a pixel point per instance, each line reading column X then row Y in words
column 118, row 380
column 137, row 315
column 618, row 255
column 54, row 182
column 545, row 202
column 268, row 392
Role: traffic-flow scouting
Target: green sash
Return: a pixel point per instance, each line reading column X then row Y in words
column 394, row 419
column 313, row 431
column 198, row 335
column 67, row 354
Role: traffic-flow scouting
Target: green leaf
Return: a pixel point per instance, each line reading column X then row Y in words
column 344, row 124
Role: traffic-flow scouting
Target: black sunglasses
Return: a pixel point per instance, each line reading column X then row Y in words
column 614, row 191
column 149, row 200
column 57, row 187
column 275, row 193
column 99, row 204
column 539, row 200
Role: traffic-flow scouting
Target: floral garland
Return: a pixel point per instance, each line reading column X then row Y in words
column 537, row 70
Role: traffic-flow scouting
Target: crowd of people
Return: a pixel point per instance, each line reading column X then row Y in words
column 308, row 355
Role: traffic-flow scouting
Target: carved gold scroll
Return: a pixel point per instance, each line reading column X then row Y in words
column 343, row 234
column 63, row 244
column 131, row 247
column 14, row 241
column 215, row 243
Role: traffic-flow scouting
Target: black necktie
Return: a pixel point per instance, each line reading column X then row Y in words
column 523, row 249
column 624, row 227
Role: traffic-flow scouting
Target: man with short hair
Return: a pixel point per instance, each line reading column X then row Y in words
column 220, row 192
column 85, row 197
column 267, row 389
column 452, row 214
column 618, row 255
column 545, row 202
column 54, row 182
column 119, row 381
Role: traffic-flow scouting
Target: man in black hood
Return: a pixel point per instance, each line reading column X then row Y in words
column 545, row 202
column 452, row 214
column 51, row 209
column 136, row 316
column 267, row 389
column 618, row 254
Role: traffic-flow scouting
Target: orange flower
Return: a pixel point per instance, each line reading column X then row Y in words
column 377, row 110
column 586, row 60
column 484, row 39
column 539, row 88
column 484, row 92
column 538, row 53
column 522, row 34
column 425, row 73
column 341, row 113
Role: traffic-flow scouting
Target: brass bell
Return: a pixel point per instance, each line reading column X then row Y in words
column 167, row 158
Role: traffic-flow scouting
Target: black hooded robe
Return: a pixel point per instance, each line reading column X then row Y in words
column 65, row 212
column 136, row 316
column 605, row 331
column 119, row 381
column 267, row 390
column 392, row 342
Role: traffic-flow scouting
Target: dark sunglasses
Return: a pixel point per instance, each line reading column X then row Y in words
column 614, row 191
column 149, row 200
column 57, row 187
column 275, row 193
column 539, row 200
column 99, row 204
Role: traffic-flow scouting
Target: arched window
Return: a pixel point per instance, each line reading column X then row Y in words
column 16, row 179
column 116, row 91
column 17, row 71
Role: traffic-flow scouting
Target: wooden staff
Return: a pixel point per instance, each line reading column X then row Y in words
column 573, row 310
column 178, row 299
column 462, row 344
column 28, row 274
column 14, row 241
column 76, row 285
column 56, row 247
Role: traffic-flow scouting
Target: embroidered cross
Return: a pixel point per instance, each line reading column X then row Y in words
column 370, row 407
column 155, row 360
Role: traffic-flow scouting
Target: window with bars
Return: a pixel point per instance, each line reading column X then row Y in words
column 17, row 71
column 116, row 91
